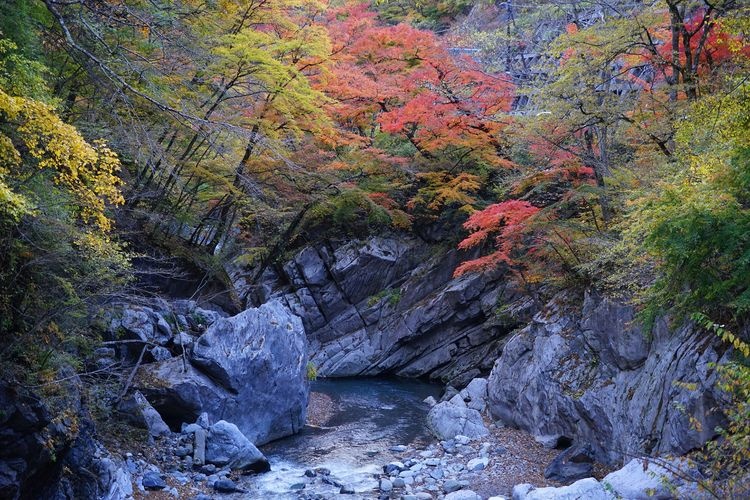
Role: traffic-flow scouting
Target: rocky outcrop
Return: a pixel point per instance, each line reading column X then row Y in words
column 589, row 374
column 391, row 305
column 249, row 369
column 164, row 328
column 48, row 448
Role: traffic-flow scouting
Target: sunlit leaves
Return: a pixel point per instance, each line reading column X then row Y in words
column 88, row 173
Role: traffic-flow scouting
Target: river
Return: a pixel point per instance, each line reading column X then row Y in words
column 367, row 418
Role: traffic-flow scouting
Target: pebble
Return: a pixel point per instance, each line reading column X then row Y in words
column 399, row 448
column 451, row 485
column 399, row 483
column 386, row 485
column 346, row 490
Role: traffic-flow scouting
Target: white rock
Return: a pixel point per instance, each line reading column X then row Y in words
column 477, row 464
column 460, row 439
column 634, row 483
column 588, row 489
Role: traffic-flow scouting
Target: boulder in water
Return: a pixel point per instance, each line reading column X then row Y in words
column 226, row 445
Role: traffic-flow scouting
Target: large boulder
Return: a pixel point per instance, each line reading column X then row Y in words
column 249, row 369
column 227, row 446
column 590, row 374
column 447, row 420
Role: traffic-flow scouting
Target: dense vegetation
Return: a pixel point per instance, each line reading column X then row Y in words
column 574, row 144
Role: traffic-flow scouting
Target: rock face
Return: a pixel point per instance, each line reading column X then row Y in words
column 46, row 453
column 249, row 369
column 388, row 305
column 594, row 377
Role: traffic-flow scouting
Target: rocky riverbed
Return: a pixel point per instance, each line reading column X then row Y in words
column 419, row 467
column 379, row 448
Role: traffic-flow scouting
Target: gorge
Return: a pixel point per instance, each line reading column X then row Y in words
column 399, row 249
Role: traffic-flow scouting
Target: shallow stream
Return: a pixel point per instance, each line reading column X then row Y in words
column 367, row 416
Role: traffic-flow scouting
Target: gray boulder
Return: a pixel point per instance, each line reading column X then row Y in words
column 570, row 465
column 249, row 369
column 153, row 481
column 446, row 421
column 260, row 356
column 639, row 479
column 475, row 394
column 138, row 322
column 138, row 410
column 160, row 353
column 227, row 446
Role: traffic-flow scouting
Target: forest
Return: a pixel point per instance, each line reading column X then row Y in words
column 565, row 146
